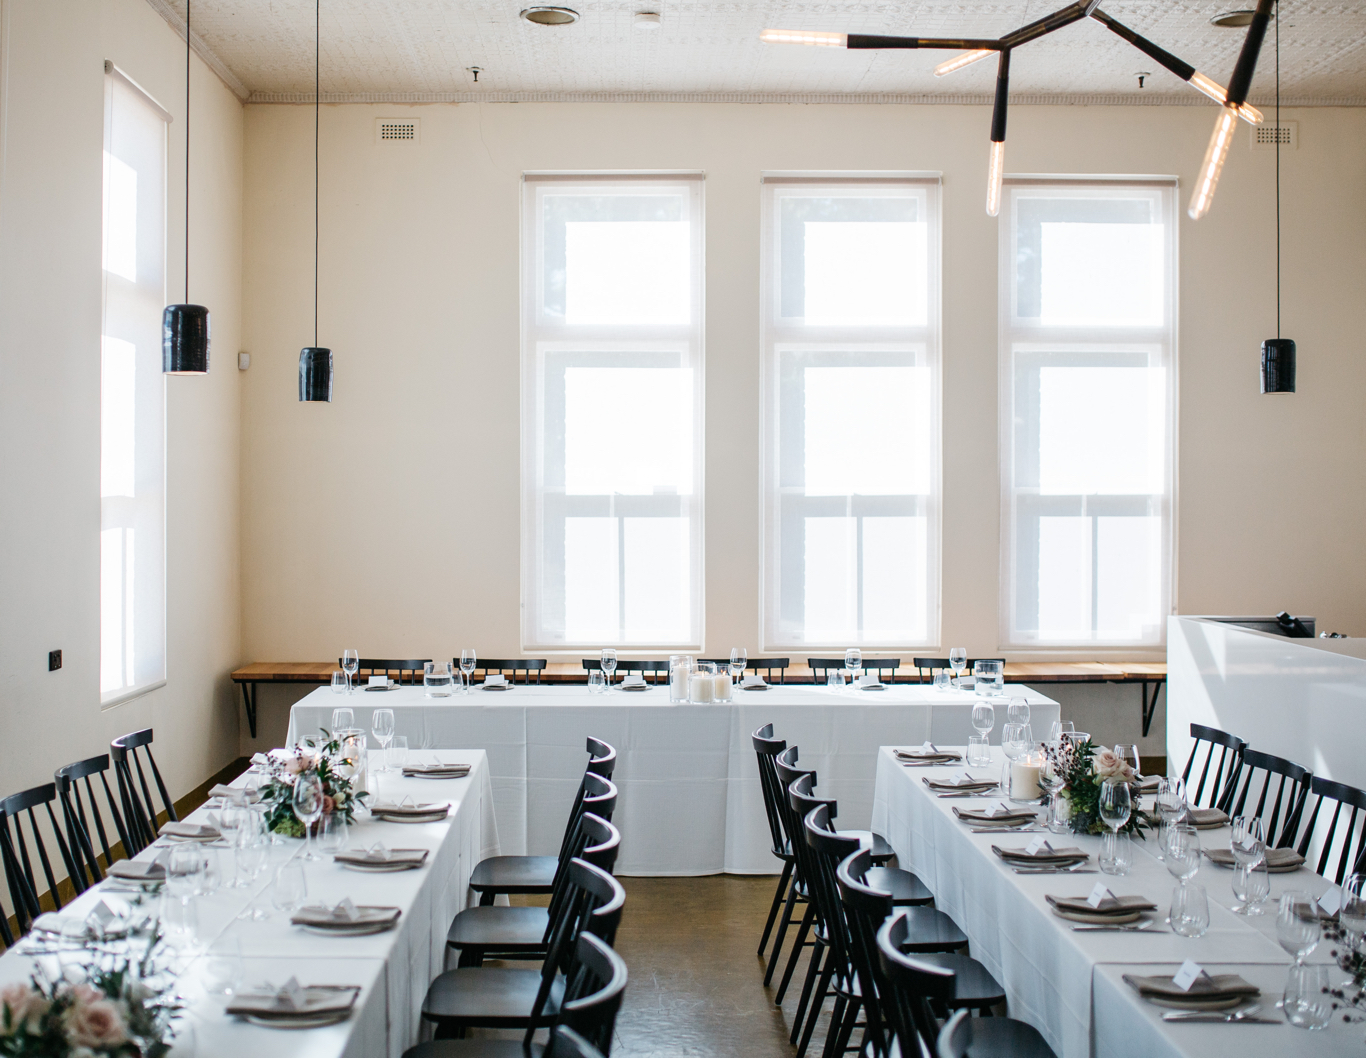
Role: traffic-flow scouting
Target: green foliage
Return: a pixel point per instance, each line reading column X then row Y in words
column 1082, row 794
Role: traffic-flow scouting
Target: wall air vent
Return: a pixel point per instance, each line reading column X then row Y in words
column 397, row 130
column 1263, row 136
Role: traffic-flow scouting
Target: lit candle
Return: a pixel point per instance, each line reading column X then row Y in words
column 703, row 687
column 722, row 686
column 1024, row 780
column 678, row 682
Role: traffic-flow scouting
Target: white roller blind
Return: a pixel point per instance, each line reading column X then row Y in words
column 132, row 394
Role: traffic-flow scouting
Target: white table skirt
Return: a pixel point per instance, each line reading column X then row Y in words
column 393, row 968
column 1047, row 969
column 690, row 797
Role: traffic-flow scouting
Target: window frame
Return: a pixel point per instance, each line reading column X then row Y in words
column 779, row 338
column 1017, row 340
column 541, row 340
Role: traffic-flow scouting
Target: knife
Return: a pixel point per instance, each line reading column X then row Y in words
column 1241, row 1014
column 1134, row 927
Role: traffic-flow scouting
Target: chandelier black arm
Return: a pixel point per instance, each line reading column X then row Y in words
column 998, row 111
column 1064, row 17
column 1162, row 56
column 867, row 40
column 1241, row 82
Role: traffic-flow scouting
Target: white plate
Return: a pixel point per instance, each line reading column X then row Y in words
column 311, row 1021
column 377, row 868
column 350, row 931
column 634, row 687
column 431, row 817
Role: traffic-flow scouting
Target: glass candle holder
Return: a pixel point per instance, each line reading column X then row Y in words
column 702, row 685
column 680, row 677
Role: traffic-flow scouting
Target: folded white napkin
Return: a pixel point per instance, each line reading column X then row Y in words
column 753, row 679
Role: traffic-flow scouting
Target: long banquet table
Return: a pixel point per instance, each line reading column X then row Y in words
column 1068, row 984
column 690, row 796
column 392, row 968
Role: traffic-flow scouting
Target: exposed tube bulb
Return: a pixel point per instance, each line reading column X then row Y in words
column 996, row 171
column 959, row 61
column 1219, row 143
column 1219, row 94
column 805, row 36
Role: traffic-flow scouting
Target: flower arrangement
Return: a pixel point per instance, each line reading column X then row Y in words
column 335, row 768
column 1350, row 954
column 1085, row 768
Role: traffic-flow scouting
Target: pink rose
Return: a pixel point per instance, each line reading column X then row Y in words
column 1108, row 765
column 24, row 1007
column 328, row 805
column 94, row 1021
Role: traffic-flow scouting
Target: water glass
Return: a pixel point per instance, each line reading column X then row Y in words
column 291, row 887
column 979, row 751
column 211, row 877
column 1297, row 923
column 1307, row 1003
column 1181, row 851
column 467, row 663
column 332, row 832
column 597, row 682
column 339, row 682
column 180, row 921
column 1190, row 910
column 983, row 718
column 942, row 680
column 185, row 871
column 221, row 968
column 609, row 663
column 350, row 664
column 398, row 753
column 250, row 861
column 1018, row 711
column 437, row 679
column 958, row 660
column 834, row 679
column 1352, row 914
column 1251, row 885
column 988, row 677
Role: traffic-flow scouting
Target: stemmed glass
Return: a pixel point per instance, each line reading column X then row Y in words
column 1015, row 743
column 1114, row 806
column 853, row 661
column 343, row 720
column 467, row 660
column 958, row 661
column 350, row 665
column 1129, row 755
column 1052, row 779
column 609, row 663
column 1181, row 851
column 308, row 806
column 739, row 658
column 1018, row 711
column 1171, row 807
column 1352, row 914
column 1297, row 924
column 1059, row 728
column 983, row 717
column 382, row 725
column 1248, row 846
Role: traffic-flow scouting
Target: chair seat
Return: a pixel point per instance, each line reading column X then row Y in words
column 500, row 928
column 1006, row 1038
column 514, row 874
column 973, row 985
column 492, row 997
column 880, row 850
column 929, row 930
column 473, row 1049
column 905, row 887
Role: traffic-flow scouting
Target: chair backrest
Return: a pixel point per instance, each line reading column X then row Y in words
column 802, row 802
column 78, row 835
column 932, row 665
column 659, row 668
column 409, row 670
column 766, row 747
column 526, row 666
column 828, row 849
column 598, row 796
column 956, row 1036
column 820, row 666
column 1229, row 749
column 597, row 842
column 14, row 850
column 1291, row 782
column 602, row 758
column 135, row 799
column 911, row 986
column 767, row 665
column 1329, row 838
column 592, row 998
column 865, row 910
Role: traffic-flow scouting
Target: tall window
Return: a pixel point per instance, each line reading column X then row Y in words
column 612, row 411
column 132, row 394
column 1087, row 348
column 851, row 392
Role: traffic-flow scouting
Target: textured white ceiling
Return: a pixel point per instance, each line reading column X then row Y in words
column 420, row 50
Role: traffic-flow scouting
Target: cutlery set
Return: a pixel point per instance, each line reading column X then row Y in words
column 1247, row 1014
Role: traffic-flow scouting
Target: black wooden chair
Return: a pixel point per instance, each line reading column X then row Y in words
column 588, row 1014
column 14, row 849
column 135, row 800
column 537, row 874
column 865, row 910
column 660, row 669
column 408, row 670
column 1291, row 782
column 1334, row 797
column 501, row 997
column 526, row 666
column 820, row 667
column 933, row 665
column 74, row 815
column 480, row 933
column 913, row 984
column 1229, row 749
column 767, row 665
column 766, row 747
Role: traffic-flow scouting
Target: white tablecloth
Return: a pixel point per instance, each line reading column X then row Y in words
column 690, row 797
column 1046, row 968
column 393, row 968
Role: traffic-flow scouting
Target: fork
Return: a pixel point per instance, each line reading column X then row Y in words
column 1241, row 1014
column 1133, row 927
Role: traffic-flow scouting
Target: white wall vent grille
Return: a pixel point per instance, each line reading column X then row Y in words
column 1263, row 137
column 397, row 130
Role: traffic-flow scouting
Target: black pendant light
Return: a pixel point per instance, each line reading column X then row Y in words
column 315, row 363
column 185, row 328
column 1278, row 354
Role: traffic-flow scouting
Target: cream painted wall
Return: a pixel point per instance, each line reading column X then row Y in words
column 50, row 304
column 388, row 520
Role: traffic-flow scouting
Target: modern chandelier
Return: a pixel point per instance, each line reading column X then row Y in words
column 315, row 361
column 1232, row 100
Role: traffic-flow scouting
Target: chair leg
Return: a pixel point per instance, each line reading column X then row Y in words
column 486, row 899
column 813, row 969
column 817, row 1001
column 842, row 1029
column 782, row 931
column 797, row 944
column 777, row 903
column 843, row 1008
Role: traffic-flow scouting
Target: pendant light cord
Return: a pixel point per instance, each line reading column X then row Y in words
column 1278, row 171
column 317, row 103
column 187, row 150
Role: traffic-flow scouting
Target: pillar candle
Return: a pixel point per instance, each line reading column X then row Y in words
column 702, row 687
column 722, row 687
column 1024, row 781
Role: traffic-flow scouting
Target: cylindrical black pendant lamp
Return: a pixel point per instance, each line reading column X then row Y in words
column 315, row 373
column 1278, row 365
column 185, row 340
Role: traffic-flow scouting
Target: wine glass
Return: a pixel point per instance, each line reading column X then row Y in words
column 1352, row 914
column 1248, row 843
column 291, row 887
column 739, row 658
column 398, row 753
column 1018, row 711
column 1181, row 851
column 1251, row 886
column 853, row 661
column 983, row 717
column 1014, row 747
column 308, row 806
column 1052, row 779
column 1059, row 728
column 1129, row 755
column 350, row 664
column 958, row 661
column 382, row 726
column 1114, row 807
column 467, row 662
column 1171, row 806
column 343, row 720
column 609, row 663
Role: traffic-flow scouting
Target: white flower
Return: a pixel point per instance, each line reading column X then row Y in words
column 1108, row 765
column 93, row 1020
column 24, row 1007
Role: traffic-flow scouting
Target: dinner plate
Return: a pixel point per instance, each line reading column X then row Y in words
column 1098, row 919
column 761, row 687
column 1211, row 1003
column 494, row 686
column 391, row 687
column 374, row 868
column 634, row 687
column 430, row 817
column 874, row 687
column 303, row 1021
column 359, row 930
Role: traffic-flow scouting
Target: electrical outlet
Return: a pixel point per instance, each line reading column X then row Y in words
column 54, row 660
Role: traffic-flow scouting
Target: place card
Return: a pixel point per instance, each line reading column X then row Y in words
column 291, row 995
column 1038, row 845
column 100, row 916
column 1099, row 895
column 1331, row 902
column 1190, row 972
column 379, row 681
column 998, row 809
column 929, row 747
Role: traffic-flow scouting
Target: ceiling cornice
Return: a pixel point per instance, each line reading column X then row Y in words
column 214, row 63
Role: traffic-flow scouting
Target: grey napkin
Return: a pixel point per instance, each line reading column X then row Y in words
column 332, row 918
column 1056, row 858
column 416, row 857
column 444, row 771
column 138, row 871
column 192, row 831
column 1215, row 986
column 979, row 815
column 1278, row 861
column 309, row 1001
column 927, row 757
column 1206, row 818
column 1115, row 905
